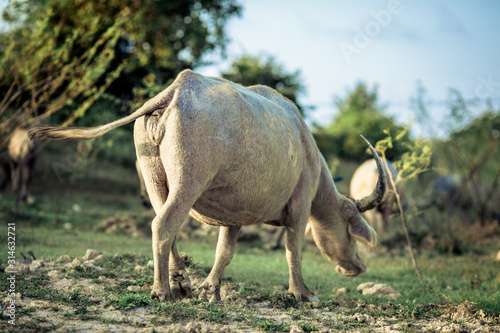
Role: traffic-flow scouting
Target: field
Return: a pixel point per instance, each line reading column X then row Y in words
column 458, row 293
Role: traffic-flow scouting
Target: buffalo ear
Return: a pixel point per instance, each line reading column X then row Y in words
column 362, row 231
column 358, row 226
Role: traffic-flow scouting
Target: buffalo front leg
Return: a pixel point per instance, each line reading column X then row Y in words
column 180, row 285
column 294, row 237
column 226, row 245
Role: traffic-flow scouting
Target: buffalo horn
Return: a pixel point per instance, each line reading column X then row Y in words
column 377, row 195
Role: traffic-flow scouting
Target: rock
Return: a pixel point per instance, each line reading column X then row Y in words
column 175, row 328
column 36, row 265
column 365, row 285
column 498, row 256
column 296, row 329
column 94, row 267
column 76, row 262
column 193, row 327
column 17, row 296
column 135, row 289
column 363, row 318
column 140, row 268
column 54, row 274
column 64, row 258
column 62, row 330
column 379, row 289
column 91, row 254
column 19, row 266
column 151, row 264
column 340, row 290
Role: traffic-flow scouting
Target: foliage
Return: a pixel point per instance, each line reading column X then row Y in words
column 359, row 113
column 251, row 70
column 471, row 151
column 412, row 163
column 66, row 55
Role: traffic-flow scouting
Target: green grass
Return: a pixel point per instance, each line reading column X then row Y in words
column 270, row 326
column 55, row 227
column 445, row 278
column 130, row 300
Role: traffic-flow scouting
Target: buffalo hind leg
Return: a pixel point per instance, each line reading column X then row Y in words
column 171, row 208
column 164, row 228
column 210, row 288
column 180, row 285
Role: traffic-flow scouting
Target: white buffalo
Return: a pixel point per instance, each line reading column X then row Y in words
column 233, row 156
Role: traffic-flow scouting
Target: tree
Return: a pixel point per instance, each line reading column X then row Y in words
column 251, row 70
column 470, row 151
column 59, row 57
column 359, row 113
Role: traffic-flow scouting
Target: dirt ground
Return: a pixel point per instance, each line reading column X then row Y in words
column 92, row 294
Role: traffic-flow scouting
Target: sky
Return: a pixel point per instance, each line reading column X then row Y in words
column 392, row 44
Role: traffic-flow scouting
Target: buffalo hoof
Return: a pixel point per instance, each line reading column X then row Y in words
column 210, row 291
column 180, row 285
column 304, row 296
column 161, row 295
column 312, row 299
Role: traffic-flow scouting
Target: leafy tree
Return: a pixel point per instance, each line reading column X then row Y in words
column 471, row 151
column 60, row 57
column 359, row 113
column 251, row 70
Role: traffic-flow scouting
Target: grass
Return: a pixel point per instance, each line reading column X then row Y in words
column 68, row 211
column 270, row 326
column 129, row 301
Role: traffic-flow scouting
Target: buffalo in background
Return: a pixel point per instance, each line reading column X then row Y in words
column 19, row 161
column 362, row 182
column 444, row 193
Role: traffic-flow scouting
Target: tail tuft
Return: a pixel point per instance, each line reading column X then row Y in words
column 66, row 133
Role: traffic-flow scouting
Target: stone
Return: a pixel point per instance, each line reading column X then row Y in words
column 379, row 289
column 91, row 254
column 140, row 268
column 296, row 329
column 54, row 274
column 340, row 290
column 76, row 262
column 365, row 285
column 135, row 289
column 64, row 258
column 36, row 265
column 363, row 318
